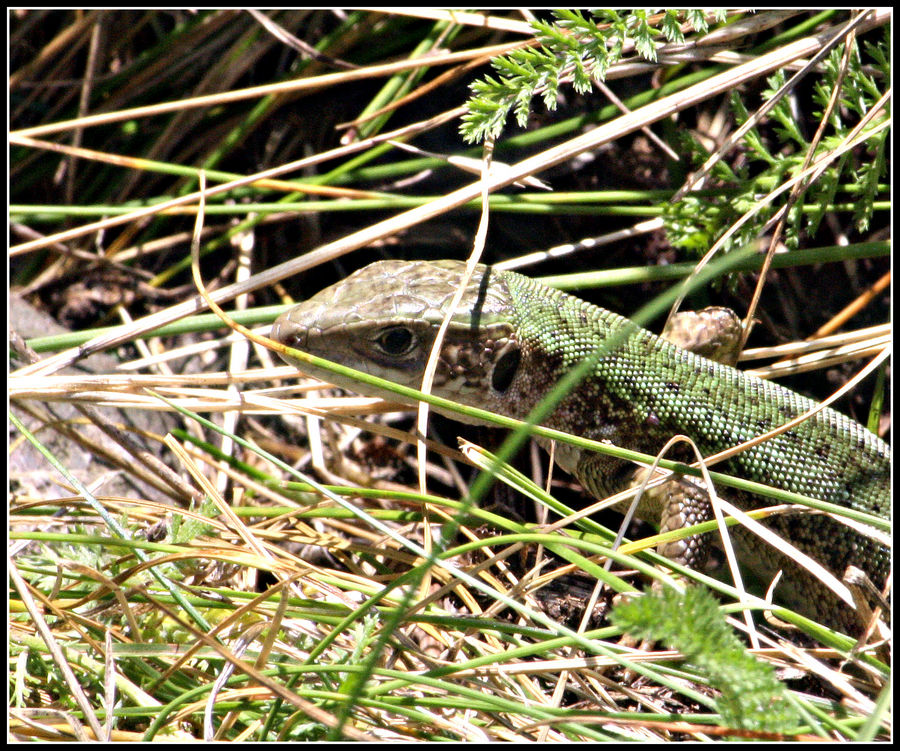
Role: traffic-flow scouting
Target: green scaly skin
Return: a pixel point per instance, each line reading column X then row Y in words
column 511, row 339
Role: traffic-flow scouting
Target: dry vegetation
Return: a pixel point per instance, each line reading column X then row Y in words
column 177, row 573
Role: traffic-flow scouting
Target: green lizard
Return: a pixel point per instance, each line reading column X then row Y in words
column 512, row 338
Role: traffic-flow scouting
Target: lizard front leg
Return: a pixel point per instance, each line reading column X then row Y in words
column 713, row 332
column 680, row 502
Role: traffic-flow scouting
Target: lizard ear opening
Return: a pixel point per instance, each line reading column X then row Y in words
column 505, row 369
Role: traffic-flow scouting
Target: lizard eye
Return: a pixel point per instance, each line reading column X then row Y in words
column 395, row 341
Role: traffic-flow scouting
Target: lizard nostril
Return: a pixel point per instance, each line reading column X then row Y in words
column 285, row 331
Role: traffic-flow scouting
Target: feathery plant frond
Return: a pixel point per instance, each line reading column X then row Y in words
column 695, row 222
column 751, row 696
column 576, row 49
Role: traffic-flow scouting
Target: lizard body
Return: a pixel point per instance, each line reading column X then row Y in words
column 512, row 338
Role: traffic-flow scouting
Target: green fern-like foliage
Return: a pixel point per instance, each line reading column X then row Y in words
column 575, row 48
column 852, row 180
column 750, row 695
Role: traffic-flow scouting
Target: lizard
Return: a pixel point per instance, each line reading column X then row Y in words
column 512, row 338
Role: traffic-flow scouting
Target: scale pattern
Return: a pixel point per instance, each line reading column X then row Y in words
column 511, row 339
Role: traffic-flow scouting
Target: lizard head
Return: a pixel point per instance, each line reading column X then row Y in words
column 383, row 320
